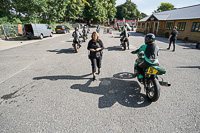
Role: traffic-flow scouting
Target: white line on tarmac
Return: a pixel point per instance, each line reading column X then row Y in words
column 17, row 72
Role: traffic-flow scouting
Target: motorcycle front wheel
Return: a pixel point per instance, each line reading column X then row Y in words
column 124, row 45
column 76, row 48
column 153, row 90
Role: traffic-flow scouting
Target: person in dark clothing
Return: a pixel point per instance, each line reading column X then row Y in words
column 77, row 35
column 125, row 36
column 85, row 32
column 151, row 52
column 95, row 46
column 173, row 38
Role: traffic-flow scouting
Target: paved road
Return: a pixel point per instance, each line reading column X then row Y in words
column 45, row 87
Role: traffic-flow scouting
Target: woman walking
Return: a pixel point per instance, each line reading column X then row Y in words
column 95, row 46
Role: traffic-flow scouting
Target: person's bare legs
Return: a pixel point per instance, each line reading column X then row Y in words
column 99, row 71
column 94, row 76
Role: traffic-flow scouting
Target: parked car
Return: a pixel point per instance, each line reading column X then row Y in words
column 62, row 29
column 198, row 44
column 37, row 30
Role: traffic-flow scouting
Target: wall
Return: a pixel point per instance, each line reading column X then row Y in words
column 140, row 29
column 192, row 36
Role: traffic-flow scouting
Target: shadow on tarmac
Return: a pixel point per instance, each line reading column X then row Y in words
column 136, row 34
column 126, row 93
column 114, row 48
column 114, row 89
column 63, row 51
column 198, row 67
column 59, row 77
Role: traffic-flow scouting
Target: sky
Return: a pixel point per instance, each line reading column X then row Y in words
column 148, row 6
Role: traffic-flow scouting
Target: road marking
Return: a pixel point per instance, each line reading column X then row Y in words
column 17, row 72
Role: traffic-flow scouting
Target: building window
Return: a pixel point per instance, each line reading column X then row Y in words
column 138, row 25
column 147, row 25
column 181, row 26
column 143, row 25
column 169, row 26
column 196, row 27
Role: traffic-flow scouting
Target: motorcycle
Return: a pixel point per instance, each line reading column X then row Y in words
column 150, row 79
column 76, row 45
column 123, row 42
column 84, row 37
column 98, row 30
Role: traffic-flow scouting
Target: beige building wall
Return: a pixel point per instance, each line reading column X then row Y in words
column 192, row 36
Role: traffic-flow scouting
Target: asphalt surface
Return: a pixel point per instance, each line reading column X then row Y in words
column 46, row 87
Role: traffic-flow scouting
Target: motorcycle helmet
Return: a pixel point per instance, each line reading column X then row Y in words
column 149, row 38
column 76, row 28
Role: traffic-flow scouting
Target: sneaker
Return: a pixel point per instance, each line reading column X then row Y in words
column 168, row 48
column 94, row 78
column 173, row 50
column 98, row 72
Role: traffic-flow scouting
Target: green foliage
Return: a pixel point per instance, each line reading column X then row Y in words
column 129, row 10
column 95, row 11
column 111, row 9
column 74, row 9
column 100, row 10
column 55, row 11
column 164, row 7
column 3, row 20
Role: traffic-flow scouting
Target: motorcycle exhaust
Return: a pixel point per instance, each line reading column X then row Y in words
column 166, row 84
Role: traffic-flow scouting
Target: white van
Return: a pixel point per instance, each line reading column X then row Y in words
column 37, row 30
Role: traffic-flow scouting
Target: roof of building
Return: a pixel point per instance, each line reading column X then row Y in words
column 190, row 12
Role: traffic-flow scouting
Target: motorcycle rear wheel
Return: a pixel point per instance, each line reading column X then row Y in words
column 76, row 48
column 124, row 46
column 153, row 90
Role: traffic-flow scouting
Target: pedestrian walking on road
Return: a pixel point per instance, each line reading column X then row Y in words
column 95, row 46
column 173, row 38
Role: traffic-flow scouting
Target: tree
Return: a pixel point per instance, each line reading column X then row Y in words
column 74, row 9
column 5, row 7
column 96, row 11
column 164, row 7
column 111, row 9
column 141, row 15
column 128, row 10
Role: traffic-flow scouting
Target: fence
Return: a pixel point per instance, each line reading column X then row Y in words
column 8, row 30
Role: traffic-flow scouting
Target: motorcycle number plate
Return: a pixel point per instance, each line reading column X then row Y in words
column 58, row 29
column 152, row 71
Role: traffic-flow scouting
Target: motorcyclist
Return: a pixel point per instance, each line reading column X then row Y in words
column 151, row 52
column 98, row 28
column 88, row 28
column 125, row 35
column 85, row 32
column 76, row 34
